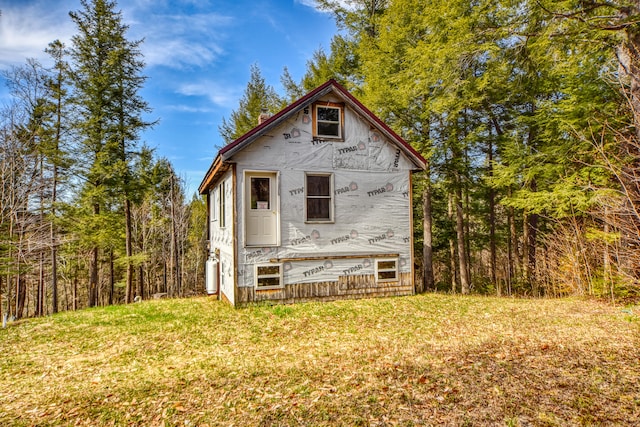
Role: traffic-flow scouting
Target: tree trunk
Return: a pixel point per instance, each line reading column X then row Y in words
column 525, row 247
column 129, row 250
column 427, row 251
column 66, row 297
column 175, row 271
column 93, row 269
column 41, row 288
column 467, row 227
column 141, row 267
column 462, row 249
column 532, row 225
column 514, row 251
column 112, row 278
column 54, row 247
column 141, row 283
column 452, row 249
column 628, row 53
column 41, row 292
column 75, row 291
column 606, row 257
column 21, row 295
column 164, row 277
column 54, row 273
column 19, row 301
column 492, row 226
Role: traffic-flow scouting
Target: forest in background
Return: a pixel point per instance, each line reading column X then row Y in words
column 528, row 114
column 90, row 215
column 526, row 110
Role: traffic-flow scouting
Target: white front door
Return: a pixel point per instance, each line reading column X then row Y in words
column 261, row 209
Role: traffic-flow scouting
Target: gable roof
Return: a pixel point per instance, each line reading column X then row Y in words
column 331, row 86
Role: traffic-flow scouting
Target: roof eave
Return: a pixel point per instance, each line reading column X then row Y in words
column 217, row 167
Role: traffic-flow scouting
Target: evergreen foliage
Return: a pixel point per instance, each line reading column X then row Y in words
column 513, row 103
column 89, row 215
column 258, row 98
column 526, row 110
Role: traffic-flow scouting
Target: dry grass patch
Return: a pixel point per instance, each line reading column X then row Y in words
column 423, row 360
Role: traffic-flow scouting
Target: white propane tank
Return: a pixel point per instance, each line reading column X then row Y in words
column 212, row 276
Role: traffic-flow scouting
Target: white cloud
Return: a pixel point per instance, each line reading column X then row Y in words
column 347, row 4
column 179, row 41
column 178, row 53
column 175, row 41
column 217, row 94
column 25, row 31
column 310, row 3
column 188, row 108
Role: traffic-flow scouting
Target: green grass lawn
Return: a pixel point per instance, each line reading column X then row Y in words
column 422, row 360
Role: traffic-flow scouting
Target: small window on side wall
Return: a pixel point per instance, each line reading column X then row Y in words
column 214, row 195
column 221, row 205
column 319, row 197
column 268, row 276
column 328, row 120
column 386, row 270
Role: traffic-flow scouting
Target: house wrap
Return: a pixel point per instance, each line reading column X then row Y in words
column 314, row 203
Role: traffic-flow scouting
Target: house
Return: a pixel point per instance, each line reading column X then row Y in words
column 312, row 204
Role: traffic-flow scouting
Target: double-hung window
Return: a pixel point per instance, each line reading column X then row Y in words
column 328, row 120
column 319, row 197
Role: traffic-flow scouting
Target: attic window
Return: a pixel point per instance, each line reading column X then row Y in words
column 328, row 120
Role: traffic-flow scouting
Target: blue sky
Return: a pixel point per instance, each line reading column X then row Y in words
column 198, row 55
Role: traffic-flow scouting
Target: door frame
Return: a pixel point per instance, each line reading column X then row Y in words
column 247, row 173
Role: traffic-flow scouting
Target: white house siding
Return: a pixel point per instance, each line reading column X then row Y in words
column 371, row 199
column 222, row 237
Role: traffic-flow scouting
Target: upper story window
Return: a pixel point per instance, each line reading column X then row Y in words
column 328, row 120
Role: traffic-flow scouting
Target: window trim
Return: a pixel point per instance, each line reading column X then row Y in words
column 337, row 106
column 221, row 205
column 330, row 196
column 279, row 276
column 379, row 270
column 213, row 205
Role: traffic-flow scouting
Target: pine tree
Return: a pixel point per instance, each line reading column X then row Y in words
column 106, row 73
column 258, row 97
column 56, row 149
column 610, row 29
column 342, row 64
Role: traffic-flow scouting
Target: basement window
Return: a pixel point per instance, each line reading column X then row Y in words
column 328, row 120
column 386, row 270
column 268, row 276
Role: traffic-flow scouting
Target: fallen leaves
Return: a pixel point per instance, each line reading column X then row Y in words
column 419, row 360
